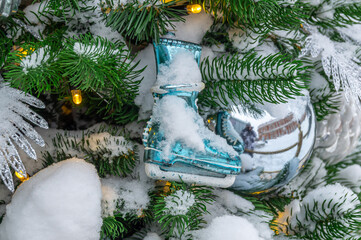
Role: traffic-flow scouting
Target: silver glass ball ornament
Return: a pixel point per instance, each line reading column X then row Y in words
column 8, row 7
column 278, row 140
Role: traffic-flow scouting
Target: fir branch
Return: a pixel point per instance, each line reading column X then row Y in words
column 344, row 15
column 106, row 163
column 324, row 103
column 175, row 224
column 31, row 68
column 332, row 212
column 121, row 165
column 143, row 21
column 112, row 111
column 96, row 63
column 218, row 35
column 64, row 9
column 288, row 45
column 106, row 72
column 5, row 44
column 251, row 78
column 329, row 227
column 347, row 15
column 112, row 228
column 119, row 226
column 352, row 159
column 259, row 16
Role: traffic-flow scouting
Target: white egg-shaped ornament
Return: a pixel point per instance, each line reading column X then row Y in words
column 277, row 139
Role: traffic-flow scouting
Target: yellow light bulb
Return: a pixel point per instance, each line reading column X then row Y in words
column 76, row 96
column 194, row 8
column 21, row 177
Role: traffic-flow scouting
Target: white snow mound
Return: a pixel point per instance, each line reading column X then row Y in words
column 230, row 228
column 60, row 202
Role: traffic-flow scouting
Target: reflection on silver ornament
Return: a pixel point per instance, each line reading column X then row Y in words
column 278, row 140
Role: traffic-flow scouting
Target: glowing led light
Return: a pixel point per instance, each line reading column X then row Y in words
column 21, row 177
column 76, row 96
column 194, row 8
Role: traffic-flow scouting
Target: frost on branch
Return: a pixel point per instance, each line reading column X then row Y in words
column 124, row 196
column 14, row 129
column 338, row 60
column 179, row 203
column 34, row 60
column 323, row 210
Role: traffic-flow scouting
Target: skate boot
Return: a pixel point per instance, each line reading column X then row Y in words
column 177, row 143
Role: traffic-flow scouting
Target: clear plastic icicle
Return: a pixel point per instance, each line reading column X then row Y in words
column 15, row 129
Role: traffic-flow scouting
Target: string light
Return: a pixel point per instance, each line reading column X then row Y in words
column 21, row 177
column 76, row 96
column 194, row 8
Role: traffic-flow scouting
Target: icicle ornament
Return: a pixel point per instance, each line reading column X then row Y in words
column 338, row 61
column 14, row 129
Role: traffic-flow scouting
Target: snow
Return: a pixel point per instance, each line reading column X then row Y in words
column 351, row 31
column 59, row 202
column 179, row 202
column 228, row 227
column 342, row 200
column 116, row 144
column 152, row 236
column 318, row 81
column 35, row 59
column 183, row 69
column 145, row 98
column 33, row 14
column 267, row 48
column 194, row 27
column 93, row 51
column 261, row 220
column 131, row 194
column 180, row 122
column 313, row 175
column 351, row 176
column 233, row 202
column 244, row 41
column 98, row 28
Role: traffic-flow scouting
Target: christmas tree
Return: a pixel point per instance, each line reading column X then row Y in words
column 173, row 119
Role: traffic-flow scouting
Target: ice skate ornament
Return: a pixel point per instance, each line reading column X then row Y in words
column 277, row 142
column 14, row 129
column 177, row 143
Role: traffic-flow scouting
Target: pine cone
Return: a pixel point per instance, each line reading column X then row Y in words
column 338, row 134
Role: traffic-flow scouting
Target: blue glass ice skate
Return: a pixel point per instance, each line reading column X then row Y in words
column 211, row 167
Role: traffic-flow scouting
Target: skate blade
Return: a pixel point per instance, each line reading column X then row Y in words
column 154, row 171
